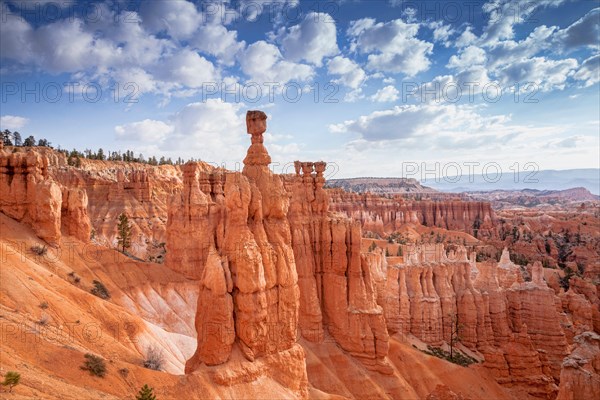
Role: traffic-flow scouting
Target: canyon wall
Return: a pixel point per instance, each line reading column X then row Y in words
column 516, row 326
column 386, row 214
column 31, row 195
column 338, row 287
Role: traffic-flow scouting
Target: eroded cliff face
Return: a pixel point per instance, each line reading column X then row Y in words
column 384, row 215
column 338, row 285
column 516, row 326
column 31, row 195
column 138, row 190
column 230, row 231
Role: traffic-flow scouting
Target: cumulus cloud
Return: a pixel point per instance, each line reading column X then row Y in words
column 144, row 131
column 466, row 38
column 391, row 46
column 441, row 32
column 12, row 122
column 350, row 73
column 179, row 19
column 188, row 68
column 428, row 123
column 545, row 74
column 503, row 15
column 584, row 32
column 209, row 130
column 386, row 94
column 263, row 62
column 589, row 72
column 468, row 57
column 218, row 41
column 508, row 51
column 311, row 40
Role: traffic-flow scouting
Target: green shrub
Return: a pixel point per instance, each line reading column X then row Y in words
column 100, row 290
column 39, row 250
column 11, row 379
column 145, row 393
column 457, row 357
column 94, row 364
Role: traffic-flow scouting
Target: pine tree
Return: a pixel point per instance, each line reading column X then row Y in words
column 17, row 137
column 145, row 393
column 6, row 135
column 372, row 247
column 11, row 379
column 29, row 142
column 124, row 230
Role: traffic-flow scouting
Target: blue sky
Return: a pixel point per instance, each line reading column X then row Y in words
column 373, row 87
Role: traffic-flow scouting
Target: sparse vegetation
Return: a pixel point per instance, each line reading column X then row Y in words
column 11, row 379
column 43, row 305
column 73, row 277
column 372, row 247
column 154, row 358
column 94, row 364
column 124, row 372
column 457, row 358
column 39, row 250
column 100, row 290
column 145, row 393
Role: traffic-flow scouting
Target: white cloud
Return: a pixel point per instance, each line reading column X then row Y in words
column 12, row 122
column 584, row 32
column 466, row 38
column 545, row 74
column 468, row 57
column 263, row 62
column 188, row 68
column 441, row 32
column 179, row 19
column 589, row 72
column 429, row 125
column 213, row 130
column 509, row 51
column 216, row 40
column 311, row 40
column 351, row 74
column 505, row 14
column 386, row 94
column 568, row 143
column 392, row 46
column 144, row 131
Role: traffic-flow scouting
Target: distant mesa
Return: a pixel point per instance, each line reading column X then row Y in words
column 380, row 185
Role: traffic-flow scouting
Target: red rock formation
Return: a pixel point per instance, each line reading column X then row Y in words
column 338, row 287
column 238, row 230
column 580, row 374
column 384, row 215
column 514, row 324
column 31, row 195
column 74, row 211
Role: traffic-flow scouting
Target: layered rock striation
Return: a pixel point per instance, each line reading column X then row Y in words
column 230, row 231
column 31, row 195
column 386, row 214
